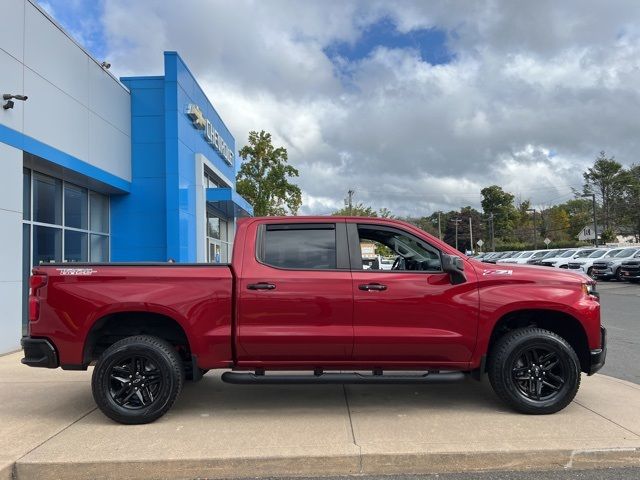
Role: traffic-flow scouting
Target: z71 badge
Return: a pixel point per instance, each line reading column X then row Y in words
column 76, row 271
column 497, row 272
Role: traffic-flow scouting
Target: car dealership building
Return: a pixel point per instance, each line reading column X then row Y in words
column 96, row 169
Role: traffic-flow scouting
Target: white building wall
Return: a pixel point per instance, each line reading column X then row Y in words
column 73, row 106
column 10, row 248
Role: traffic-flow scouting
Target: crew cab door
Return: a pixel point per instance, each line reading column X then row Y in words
column 412, row 313
column 295, row 301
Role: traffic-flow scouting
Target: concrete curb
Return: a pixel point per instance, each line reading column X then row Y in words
column 296, row 466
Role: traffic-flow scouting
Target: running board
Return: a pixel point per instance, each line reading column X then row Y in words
column 339, row 378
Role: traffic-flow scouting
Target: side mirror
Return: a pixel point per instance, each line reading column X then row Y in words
column 454, row 266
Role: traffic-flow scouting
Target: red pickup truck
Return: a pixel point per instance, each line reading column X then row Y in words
column 297, row 298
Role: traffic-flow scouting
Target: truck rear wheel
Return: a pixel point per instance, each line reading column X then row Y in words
column 534, row 371
column 137, row 379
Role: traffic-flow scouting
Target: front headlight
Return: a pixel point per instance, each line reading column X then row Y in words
column 590, row 289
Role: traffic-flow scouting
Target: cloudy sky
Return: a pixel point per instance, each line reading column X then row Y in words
column 416, row 105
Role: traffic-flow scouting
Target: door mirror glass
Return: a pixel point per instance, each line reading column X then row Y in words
column 454, row 266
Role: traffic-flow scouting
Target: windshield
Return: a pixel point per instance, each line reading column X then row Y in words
column 568, row 253
column 612, row 253
column 526, row 254
column 627, row 252
column 516, row 255
column 539, row 254
column 554, row 253
column 597, row 254
column 584, row 253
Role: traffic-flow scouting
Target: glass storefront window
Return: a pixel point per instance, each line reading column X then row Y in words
column 99, row 248
column 47, row 199
column 213, row 227
column 75, row 207
column 47, row 244
column 26, row 194
column 75, row 246
column 99, row 212
column 76, row 225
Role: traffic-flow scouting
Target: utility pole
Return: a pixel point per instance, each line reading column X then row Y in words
column 595, row 224
column 493, row 238
column 439, row 229
column 349, row 199
column 535, row 234
column 470, row 234
column 456, row 221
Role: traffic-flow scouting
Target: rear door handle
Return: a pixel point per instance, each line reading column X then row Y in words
column 372, row 286
column 261, row 286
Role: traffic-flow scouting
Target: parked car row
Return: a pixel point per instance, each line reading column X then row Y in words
column 602, row 263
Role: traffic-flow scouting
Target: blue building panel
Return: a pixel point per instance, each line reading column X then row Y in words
column 158, row 219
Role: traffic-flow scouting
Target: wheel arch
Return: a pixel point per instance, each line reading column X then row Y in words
column 114, row 326
column 561, row 323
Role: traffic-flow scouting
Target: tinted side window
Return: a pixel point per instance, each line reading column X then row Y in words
column 300, row 248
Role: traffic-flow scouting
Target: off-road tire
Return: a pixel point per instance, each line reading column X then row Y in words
column 167, row 367
column 506, row 357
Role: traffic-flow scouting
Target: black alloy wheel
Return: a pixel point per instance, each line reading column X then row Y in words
column 538, row 373
column 137, row 379
column 533, row 370
column 135, row 382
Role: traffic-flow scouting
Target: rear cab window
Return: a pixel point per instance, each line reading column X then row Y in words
column 303, row 246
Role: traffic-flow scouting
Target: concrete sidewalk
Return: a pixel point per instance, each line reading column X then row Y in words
column 50, row 429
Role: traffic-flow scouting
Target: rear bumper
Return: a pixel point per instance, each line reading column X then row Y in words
column 39, row 352
column 599, row 355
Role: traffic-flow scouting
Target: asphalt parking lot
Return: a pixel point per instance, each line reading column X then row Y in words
column 621, row 316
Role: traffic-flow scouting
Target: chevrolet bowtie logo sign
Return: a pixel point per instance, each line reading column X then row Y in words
column 211, row 135
column 196, row 116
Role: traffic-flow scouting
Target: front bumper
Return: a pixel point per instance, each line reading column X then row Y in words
column 39, row 352
column 598, row 355
column 630, row 273
column 602, row 272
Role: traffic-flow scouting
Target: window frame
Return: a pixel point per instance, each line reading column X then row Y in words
column 355, row 254
column 342, row 251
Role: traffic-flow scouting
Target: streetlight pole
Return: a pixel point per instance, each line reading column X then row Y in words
column 439, row 229
column 535, row 235
column 595, row 224
column 470, row 234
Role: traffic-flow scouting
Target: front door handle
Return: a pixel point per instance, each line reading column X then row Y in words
column 372, row 286
column 261, row 286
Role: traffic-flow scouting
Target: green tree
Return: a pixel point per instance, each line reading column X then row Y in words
column 263, row 178
column 630, row 206
column 500, row 203
column 556, row 224
column 580, row 213
column 606, row 180
column 357, row 210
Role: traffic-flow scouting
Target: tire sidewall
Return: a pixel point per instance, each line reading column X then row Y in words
column 502, row 373
column 101, row 383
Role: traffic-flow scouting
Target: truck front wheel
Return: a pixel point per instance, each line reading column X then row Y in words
column 137, row 379
column 534, row 371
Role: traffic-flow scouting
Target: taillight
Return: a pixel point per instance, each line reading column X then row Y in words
column 34, row 308
column 36, row 281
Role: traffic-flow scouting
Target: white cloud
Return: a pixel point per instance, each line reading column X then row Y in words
column 526, row 79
